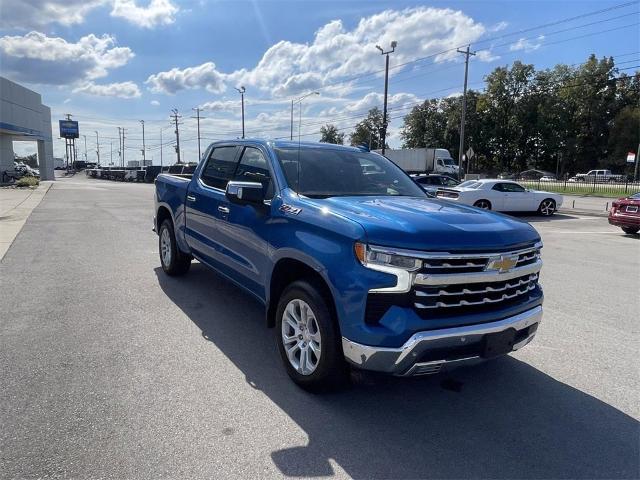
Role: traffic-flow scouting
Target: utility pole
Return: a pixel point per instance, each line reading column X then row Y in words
column 467, row 54
column 143, row 145
column 85, row 148
column 291, row 138
column 97, row 147
column 120, row 145
column 111, row 156
column 123, row 164
column 176, row 117
column 198, row 117
column 161, row 150
column 383, row 130
column 241, row 91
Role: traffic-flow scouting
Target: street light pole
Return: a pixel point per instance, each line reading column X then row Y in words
column 97, row 147
column 144, row 157
column 85, row 148
column 241, row 91
column 299, row 100
column 467, row 54
column 383, row 130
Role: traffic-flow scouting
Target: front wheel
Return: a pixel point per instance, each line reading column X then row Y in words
column 308, row 339
column 483, row 204
column 173, row 261
column 630, row 230
column 547, row 207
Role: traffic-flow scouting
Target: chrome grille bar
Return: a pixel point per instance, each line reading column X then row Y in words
column 489, row 289
column 464, row 303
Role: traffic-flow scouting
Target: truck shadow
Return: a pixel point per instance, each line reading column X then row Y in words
column 503, row 419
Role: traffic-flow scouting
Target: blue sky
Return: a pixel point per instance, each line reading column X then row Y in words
column 113, row 62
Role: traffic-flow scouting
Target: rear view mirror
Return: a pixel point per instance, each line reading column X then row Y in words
column 244, row 193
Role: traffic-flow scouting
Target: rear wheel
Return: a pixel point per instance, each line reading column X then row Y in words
column 630, row 230
column 308, row 339
column 173, row 261
column 547, row 207
column 483, row 204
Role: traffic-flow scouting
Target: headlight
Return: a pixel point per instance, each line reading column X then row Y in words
column 371, row 256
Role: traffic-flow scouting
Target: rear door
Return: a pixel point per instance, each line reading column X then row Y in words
column 206, row 202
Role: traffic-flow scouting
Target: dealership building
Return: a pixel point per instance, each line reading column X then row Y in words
column 24, row 118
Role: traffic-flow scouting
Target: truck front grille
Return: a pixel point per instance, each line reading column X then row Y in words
column 450, row 284
column 461, row 295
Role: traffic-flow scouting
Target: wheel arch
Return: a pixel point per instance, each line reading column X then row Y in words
column 163, row 213
column 288, row 270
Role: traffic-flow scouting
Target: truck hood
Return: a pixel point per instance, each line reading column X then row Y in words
column 429, row 224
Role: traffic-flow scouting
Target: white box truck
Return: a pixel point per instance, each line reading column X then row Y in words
column 423, row 160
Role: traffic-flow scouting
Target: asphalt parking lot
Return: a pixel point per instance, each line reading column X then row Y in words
column 110, row 369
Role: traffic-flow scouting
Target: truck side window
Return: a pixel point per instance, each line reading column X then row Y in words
column 253, row 167
column 220, row 167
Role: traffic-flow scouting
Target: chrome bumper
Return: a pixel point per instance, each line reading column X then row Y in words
column 404, row 361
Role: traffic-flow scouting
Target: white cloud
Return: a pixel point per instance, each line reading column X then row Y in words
column 155, row 103
column 289, row 68
column 37, row 58
column 37, row 13
column 527, row 45
column 486, row 56
column 120, row 90
column 158, row 12
column 66, row 100
column 27, row 14
column 174, row 80
column 221, row 106
column 498, row 27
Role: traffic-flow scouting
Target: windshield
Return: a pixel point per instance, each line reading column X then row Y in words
column 323, row 172
column 635, row 196
column 448, row 161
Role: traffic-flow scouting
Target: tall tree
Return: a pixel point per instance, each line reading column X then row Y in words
column 329, row 134
column 367, row 132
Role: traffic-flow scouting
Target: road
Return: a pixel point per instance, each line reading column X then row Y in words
column 110, row 369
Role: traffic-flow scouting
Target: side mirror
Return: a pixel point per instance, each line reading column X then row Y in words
column 245, row 193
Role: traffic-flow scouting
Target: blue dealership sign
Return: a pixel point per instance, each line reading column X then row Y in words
column 69, row 129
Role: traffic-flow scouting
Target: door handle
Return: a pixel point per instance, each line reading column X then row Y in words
column 191, row 198
column 223, row 209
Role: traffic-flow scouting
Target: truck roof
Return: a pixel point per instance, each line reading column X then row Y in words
column 289, row 144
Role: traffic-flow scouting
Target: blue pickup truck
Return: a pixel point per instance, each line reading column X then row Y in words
column 356, row 266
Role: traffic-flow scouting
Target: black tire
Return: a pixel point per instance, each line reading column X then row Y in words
column 331, row 371
column 547, row 207
column 176, row 263
column 483, row 204
column 630, row 230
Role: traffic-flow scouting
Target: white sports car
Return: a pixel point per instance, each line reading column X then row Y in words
column 503, row 196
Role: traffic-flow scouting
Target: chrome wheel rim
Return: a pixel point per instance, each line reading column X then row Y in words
column 301, row 337
column 483, row 205
column 547, row 208
column 165, row 247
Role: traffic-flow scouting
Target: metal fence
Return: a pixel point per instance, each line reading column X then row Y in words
column 608, row 189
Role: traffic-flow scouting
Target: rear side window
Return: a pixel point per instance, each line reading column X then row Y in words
column 220, row 167
column 253, row 167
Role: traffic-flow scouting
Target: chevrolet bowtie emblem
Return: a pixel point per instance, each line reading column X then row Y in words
column 503, row 263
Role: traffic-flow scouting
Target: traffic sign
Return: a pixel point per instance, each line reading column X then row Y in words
column 631, row 157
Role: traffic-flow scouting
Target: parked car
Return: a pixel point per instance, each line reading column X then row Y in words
column 625, row 213
column 548, row 178
column 432, row 183
column 503, row 196
column 534, row 174
column 354, row 268
column 598, row 176
column 508, row 176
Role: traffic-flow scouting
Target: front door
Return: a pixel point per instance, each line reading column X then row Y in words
column 243, row 230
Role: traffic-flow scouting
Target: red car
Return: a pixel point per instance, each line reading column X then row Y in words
column 625, row 213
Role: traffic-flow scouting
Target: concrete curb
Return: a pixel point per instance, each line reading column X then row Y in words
column 575, row 211
column 13, row 219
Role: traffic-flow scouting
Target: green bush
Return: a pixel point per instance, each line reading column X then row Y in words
column 28, row 182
